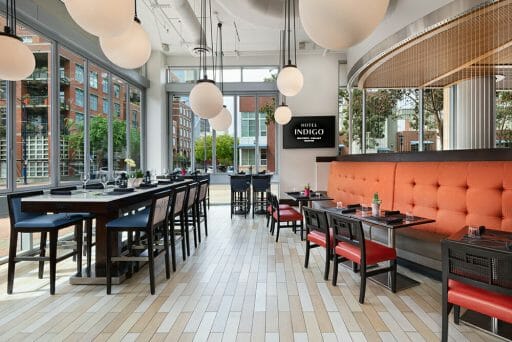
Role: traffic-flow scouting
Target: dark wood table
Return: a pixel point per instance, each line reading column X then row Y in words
column 106, row 206
column 499, row 243
column 391, row 223
column 313, row 197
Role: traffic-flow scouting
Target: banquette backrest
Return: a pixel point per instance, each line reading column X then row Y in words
column 455, row 194
column 356, row 182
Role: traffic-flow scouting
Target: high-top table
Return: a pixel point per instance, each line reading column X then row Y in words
column 106, row 206
column 391, row 223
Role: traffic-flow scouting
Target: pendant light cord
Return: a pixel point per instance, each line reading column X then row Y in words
column 10, row 22
column 287, row 34
column 219, row 40
column 136, row 16
column 214, row 71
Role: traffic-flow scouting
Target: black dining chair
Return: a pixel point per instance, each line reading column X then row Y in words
column 33, row 222
column 351, row 244
column 148, row 223
column 318, row 234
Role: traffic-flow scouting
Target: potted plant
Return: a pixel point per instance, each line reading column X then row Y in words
column 307, row 190
column 376, row 204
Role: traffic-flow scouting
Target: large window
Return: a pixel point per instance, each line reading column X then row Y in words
column 182, row 118
column 33, row 110
column 392, row 121
column 37, row 139
column 135, row 124
column 71, row 118
column 3, row 134
column 119, row 124
column 98, row 126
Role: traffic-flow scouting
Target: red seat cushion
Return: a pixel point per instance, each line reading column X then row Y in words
column 486, row 302
column 318, row 238
column 281, row 207
column 375, row 252
column 287, row 215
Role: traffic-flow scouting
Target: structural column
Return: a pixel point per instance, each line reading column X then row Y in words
column 475, row 114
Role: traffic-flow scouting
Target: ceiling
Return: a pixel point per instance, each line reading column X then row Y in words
column 250, row 27
column 477, row 43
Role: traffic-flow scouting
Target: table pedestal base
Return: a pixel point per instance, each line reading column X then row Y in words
column 93, row 280
column 487, row 324
column 402, row 282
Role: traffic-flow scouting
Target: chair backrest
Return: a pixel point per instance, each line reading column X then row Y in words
column 180, row 195
column 240, row 183
column 261, row 183
column 349, row 231
column 14, row 204
column 274, row 203
column 490, row 269
column 316, row 220
column 203, row 189
column 192, row 194
column 160, row 208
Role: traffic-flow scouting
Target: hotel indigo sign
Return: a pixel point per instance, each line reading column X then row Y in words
column 310, row 132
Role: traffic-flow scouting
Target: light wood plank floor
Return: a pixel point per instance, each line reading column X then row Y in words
column 239, row 285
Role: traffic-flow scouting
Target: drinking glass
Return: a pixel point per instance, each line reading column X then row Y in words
column 84, row 177
column 409, row 216
column 104, row 181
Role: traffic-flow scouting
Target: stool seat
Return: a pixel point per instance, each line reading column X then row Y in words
column 50, row 221
column 139, row 220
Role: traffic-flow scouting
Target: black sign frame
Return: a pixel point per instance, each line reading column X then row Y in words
column 304, row 132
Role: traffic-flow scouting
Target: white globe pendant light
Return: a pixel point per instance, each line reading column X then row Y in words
column 129, row 50
column 17, row 62
column 290, row 80
column 103, row 18
column 206, row 99
column 283, row 114
column 338, row 24
column 222, row 121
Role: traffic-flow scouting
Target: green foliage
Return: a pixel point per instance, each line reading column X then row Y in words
column 504, row 118
column 225, row 146
column 380, row 105
column 269, row 110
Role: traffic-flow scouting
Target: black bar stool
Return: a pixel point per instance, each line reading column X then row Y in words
column 240, row 189
column 260, row 187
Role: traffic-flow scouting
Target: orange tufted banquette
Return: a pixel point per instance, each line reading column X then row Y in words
column 356, row 182
column 454, row 194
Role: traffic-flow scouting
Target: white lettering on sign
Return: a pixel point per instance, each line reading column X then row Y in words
column 309, row 131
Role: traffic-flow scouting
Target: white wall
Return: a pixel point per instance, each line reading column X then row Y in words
column 156, row 123
column 318, row 97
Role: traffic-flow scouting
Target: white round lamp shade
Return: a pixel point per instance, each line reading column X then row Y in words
column 206, row 100
column 17, row 62
column 338, row 24
column 290, row 81
column 222, row 121
column 103, row 18
column 283, row 115
column 129, row 50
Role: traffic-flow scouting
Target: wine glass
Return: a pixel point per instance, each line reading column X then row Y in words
column 84, row 177
column 104, row 181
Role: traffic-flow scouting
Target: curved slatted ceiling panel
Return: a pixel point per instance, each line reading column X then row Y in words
column 478, row 43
